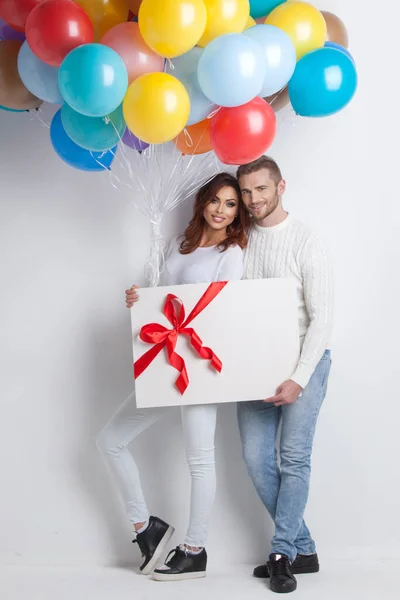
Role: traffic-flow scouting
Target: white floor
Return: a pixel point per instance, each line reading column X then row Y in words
column 344, row 581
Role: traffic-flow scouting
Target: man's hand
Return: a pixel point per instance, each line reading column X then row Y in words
column 287, row 393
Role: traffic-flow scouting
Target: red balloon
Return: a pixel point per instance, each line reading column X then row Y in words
column 56, row 27
column 242, row 134
column 16, row 12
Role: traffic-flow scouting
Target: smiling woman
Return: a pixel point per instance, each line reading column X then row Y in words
column 211, row 251
column 219, row 217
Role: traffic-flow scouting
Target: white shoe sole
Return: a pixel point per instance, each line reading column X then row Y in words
column 180, row 577
column 158, row 552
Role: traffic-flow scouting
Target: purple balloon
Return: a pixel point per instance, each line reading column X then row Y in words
column 8, row 33
column 132, row 141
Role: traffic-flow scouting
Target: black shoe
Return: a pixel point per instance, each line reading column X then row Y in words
column 281, row 576
column 152, row 543
column 182, row 565
column 302, row 564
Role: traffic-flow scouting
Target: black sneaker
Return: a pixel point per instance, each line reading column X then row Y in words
column 152, row 543
column 302, row 564
column 281, row 576
column 182, row 565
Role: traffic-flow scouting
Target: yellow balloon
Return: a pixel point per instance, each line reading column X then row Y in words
column 172, row 27
column 105, row 14
column 250, row 23
column 156, row 107
column 224, row 16
column 303, row 23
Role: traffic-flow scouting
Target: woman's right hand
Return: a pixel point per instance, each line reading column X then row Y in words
column 131, row 296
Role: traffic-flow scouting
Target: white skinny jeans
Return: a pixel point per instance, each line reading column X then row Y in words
column 199, row 432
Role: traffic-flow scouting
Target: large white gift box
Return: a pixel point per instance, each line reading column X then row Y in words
column 249, row 331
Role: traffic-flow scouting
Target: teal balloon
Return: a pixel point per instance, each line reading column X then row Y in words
column 72, row 154
column 323, row 83
column 97, row 134
column 10, row 109
column 93, row 80
column 38, row 77
column 259, row 8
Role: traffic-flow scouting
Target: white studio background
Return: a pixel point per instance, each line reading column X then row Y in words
column 70, row 245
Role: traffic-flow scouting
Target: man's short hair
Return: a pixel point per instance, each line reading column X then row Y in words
column 264, row 162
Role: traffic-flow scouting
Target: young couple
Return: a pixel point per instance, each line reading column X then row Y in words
column 231, row 215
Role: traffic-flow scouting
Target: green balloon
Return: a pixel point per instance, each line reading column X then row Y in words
column 97, row 134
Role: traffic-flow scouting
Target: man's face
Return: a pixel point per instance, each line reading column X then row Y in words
column 260, row 193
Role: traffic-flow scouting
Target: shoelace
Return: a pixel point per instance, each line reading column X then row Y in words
column 280, row 567
column 141, row 545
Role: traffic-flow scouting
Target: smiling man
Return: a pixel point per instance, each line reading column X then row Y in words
column 281, row 246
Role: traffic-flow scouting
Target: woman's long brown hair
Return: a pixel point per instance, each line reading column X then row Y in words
column 236, row 232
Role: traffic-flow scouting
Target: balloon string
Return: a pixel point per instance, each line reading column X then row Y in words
column 188, row 138
column 37, row 114
column 214, row 112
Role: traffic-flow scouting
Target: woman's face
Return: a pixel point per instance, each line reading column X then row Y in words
column 223, row 208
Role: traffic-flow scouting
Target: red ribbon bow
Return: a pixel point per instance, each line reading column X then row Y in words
column 154, row 333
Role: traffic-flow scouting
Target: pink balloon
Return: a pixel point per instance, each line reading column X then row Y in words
column 261, row 20
column 127, row 41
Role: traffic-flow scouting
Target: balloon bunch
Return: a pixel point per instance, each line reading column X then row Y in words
column 201, row 73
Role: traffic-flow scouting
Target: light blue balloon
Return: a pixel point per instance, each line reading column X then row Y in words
column 93, row 80
column 323, row 83
column 231, row 69
column 97, row 134
column 259, row 8
column 75, row 156
column 200, row 105
column 341, row 48
column 279, row 55
column 186, row 64
column 38, row 77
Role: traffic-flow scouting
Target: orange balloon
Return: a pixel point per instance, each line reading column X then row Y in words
column 195, row 139
column 13, row 93
column 134, row 5
column 105, row 14
column 337, row 31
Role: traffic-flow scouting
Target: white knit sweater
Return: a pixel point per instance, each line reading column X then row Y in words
column 291, row 250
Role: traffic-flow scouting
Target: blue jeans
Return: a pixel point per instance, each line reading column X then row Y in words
column 284, row 489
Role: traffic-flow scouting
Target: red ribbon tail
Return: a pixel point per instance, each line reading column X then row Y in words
column 201, row 350
column 178, row 363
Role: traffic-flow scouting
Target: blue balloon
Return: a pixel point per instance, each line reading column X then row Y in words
column 38, row 77
column 11, row 109
column 259, row 8
column 184, row 68
column 96, row 134
column 323, row 83
column 231, row 69
column 93, row 80
column 341, row 48
column 74, row 155
column 200, row 105
column 279, row 55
